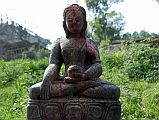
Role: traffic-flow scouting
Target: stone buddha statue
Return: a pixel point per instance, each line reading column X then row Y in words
column 82, row 63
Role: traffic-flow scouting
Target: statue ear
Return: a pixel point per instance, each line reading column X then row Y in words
column 67, row 32
column 83, row 32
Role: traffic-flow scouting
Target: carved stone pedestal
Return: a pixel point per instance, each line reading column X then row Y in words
column 73, row 109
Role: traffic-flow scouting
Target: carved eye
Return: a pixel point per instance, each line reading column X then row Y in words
column 69, row 20
column 78, row 19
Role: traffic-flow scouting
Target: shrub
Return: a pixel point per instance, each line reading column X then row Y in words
column 32, row 53
column 111, row 59
column 142, row 62
column 12, row 70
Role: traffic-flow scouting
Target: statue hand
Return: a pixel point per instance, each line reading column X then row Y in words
column 45, row 92
column 69, row 80
column 81, row 76
column 84, row 77
column 76, row 77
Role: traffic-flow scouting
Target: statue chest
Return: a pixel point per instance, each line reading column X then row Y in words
column 73, row 52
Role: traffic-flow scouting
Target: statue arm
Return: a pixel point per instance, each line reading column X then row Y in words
column 55, row 61
column 95, row 69
column 52, row 71
column 51, row 74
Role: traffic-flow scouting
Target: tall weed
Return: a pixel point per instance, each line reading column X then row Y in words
column 15, row 78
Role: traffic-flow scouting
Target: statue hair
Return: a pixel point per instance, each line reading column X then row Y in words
column 83, row 31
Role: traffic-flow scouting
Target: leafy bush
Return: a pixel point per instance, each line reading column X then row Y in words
column 32, row 53
column 12, row 70
column 111, row 59
column 142, row 62
column 139, row 98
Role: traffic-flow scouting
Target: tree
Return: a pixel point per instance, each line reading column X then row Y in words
column 136, row 35
column 104, row 24
column 115, row 25
column 126, row 36
column 144, row 35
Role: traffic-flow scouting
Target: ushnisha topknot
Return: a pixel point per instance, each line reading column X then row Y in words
column 75, row 7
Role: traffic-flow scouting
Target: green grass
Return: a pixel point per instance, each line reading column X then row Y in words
column 13, row 103
column 15, row 79
column 139, row 98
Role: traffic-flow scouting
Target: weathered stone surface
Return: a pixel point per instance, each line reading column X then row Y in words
column 64, row 97
column 73, row 109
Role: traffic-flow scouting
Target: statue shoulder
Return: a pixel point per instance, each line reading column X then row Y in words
column 92, row 50
column 57, row 42
column 90, row 42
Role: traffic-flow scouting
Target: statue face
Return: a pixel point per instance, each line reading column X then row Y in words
column 74, row 21
column 73, row 112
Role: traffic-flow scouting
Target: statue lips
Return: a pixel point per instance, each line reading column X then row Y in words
column 75, row 27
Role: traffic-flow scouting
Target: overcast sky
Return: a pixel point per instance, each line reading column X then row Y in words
column 45, row 17
column 140, row 15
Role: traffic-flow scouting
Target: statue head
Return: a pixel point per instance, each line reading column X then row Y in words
column 78, row 11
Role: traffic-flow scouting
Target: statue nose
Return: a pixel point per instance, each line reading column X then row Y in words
column 74, row 21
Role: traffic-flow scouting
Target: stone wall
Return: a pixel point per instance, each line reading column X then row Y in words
column 116, row 44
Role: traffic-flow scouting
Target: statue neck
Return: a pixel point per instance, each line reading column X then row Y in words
column 75, row 35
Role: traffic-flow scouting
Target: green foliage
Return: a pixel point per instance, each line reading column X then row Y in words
column 139, row 35
column 12, row 70
column 139, row 98
column 142, row 62
column 112, row 59
column 105, row 42
column 15, row 78
column 32, row 53
column 126, row 36
column 143, row 34
column 104, row 24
